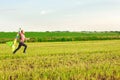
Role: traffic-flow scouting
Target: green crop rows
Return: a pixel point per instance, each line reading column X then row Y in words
column 61, row 36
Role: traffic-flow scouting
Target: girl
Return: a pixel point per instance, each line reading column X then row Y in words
column 21, row 43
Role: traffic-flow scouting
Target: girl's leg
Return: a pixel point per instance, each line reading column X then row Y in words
column 23, row 44
column 19, row 46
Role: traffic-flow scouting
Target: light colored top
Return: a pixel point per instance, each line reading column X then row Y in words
column 22, row 37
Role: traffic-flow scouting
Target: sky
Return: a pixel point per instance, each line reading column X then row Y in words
column 60, row 15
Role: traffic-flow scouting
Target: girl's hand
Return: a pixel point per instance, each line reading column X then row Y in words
column 27, row 38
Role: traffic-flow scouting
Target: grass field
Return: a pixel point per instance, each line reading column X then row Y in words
column 80, row 60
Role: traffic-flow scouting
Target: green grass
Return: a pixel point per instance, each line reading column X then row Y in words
column 61, row 36
column 81, row 60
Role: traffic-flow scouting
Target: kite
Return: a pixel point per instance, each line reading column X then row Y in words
column 13, row 43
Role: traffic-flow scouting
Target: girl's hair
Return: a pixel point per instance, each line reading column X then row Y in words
column 22, row 31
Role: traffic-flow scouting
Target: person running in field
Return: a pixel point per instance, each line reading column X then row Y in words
column 21, row 43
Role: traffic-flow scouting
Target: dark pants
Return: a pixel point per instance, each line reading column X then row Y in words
column 19, row 46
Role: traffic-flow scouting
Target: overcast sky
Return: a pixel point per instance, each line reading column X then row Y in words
column 60, row 15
